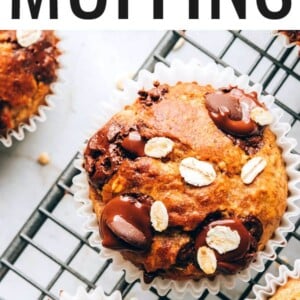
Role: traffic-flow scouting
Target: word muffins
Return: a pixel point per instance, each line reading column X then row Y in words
column 28, row 65
column 188, row 183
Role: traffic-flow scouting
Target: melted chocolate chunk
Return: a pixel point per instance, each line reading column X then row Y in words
column 249, row 144
column 254, row 226
column 102, row 159
column 149, row 277
column 2, row 104
column 154, row 95
column 108, row 148
column 125, row 223
column 186, row 255
column 213, row 216
column 230, row 110
column 134, row 143
column 237, row 259
column 233, row 224
column 114, row 131
column 224, row 103
column 234, row 266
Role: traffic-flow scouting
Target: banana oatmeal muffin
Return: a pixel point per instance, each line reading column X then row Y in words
column 28, row 64
column 188, row 181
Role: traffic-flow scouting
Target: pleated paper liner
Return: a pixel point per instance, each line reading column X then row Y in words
column 82, row 294
column 273, row 283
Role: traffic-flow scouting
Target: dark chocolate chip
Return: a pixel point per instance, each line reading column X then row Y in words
column 224, row 102
column 235, row 260
column 156, row 83
column 125, row 223
column 233, row 224
column 113, row 132
column 127, row 232
column 143, row 94
column 186, row 255
column 154, row 95
column 108, row 148
column 230, row 110
column 254, row 226
column 134, row 144
column 149, row 277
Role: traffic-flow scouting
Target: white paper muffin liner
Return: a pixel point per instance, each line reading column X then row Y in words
column 97, row 294
column 50, row 100
column 209, row 74
column 263, row 292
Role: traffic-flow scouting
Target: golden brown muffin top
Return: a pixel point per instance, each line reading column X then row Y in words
column 205, row 125
column 23, row 69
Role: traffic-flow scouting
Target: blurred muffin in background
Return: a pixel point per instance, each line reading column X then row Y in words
column 28, row 65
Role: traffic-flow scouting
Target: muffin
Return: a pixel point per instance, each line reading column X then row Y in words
column 28, row 65
column 183, row 181
column 186, row 187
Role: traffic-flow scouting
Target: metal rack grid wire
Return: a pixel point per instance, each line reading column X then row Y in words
column 284, row 64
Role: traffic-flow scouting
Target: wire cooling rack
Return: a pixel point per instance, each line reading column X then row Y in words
column 51, row 251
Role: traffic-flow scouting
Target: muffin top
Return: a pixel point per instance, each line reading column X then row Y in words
column 187, row 182
column 28, row 63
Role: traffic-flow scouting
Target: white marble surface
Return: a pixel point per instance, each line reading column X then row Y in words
column 94, row 61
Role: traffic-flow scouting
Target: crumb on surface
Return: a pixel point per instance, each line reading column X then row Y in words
column 43, row 159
